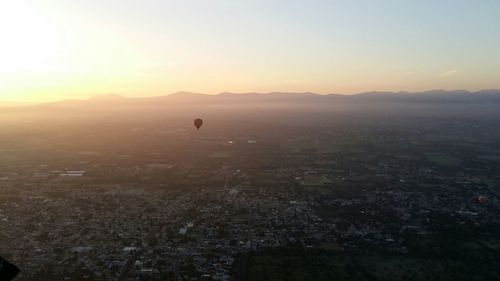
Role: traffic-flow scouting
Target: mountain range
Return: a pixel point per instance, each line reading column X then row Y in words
column 189, row 98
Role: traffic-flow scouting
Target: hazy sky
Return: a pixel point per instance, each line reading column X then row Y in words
column 52, row 49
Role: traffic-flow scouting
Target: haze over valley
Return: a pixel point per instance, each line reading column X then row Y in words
column 115, row 188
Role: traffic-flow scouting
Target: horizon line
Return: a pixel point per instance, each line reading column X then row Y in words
column 15, row 103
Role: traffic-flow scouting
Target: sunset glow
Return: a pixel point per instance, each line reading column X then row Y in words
column 58, row 49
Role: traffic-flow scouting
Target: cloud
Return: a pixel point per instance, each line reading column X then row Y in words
column 448, row 73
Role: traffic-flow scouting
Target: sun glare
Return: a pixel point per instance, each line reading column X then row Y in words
column 29, row 40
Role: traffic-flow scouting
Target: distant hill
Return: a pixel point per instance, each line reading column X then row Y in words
column 285, row 98
column 457, row 96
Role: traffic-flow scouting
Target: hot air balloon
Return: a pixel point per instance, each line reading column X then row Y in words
column 482, row 200
column 197, row 123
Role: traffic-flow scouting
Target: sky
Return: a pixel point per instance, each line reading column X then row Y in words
column 60, row 49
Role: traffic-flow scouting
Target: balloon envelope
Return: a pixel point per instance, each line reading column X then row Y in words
column 197, row 123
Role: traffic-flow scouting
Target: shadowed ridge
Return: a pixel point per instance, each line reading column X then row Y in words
column 431, row 96
column 184, row 94
column 268, row 97
column 284, row 98
column 183, row 98
column 290, row 94
column 489, row 92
